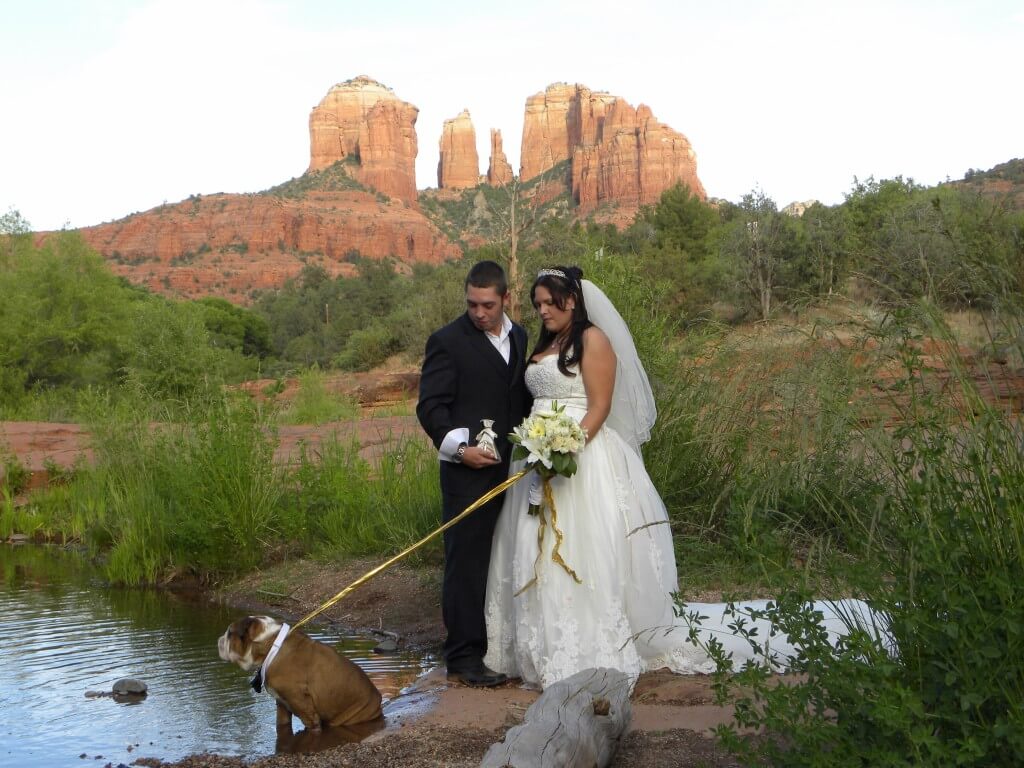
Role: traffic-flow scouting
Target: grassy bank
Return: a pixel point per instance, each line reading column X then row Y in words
column 201, row 495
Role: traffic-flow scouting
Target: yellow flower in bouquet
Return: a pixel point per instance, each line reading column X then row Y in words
column 549, row 440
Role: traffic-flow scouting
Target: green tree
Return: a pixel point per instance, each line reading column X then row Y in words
column 987, row 240
column 15, row 235
column 678, row 240
column 765, row 249
column 898, row 239
column 63, row 317
column 169, row 354
column 67, row 323
column 311, row 318
column 236, row 328
column 682, row 222
column 827, row 247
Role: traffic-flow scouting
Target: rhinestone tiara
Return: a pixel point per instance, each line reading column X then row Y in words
column 553, row 273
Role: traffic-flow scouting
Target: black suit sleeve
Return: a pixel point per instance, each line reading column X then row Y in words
column 438, row 390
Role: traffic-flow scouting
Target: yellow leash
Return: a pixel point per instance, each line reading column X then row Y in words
column 496, row 491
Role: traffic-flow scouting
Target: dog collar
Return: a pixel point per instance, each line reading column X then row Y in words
column 261, row 674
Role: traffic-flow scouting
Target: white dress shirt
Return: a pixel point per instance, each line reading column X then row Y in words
column 460, row 435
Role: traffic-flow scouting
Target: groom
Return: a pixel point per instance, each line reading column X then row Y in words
column 472, row 370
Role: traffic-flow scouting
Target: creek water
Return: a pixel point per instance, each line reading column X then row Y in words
column 63, row 632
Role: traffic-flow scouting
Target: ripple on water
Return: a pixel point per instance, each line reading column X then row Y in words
column 63, row 634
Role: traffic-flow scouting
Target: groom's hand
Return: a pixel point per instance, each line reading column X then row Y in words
column 478, row 458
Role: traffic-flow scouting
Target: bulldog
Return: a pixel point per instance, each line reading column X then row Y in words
column 307, row 678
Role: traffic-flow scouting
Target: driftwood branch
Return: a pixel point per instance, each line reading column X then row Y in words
column 576, row 723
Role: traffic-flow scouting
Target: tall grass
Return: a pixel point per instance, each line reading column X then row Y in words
column 756, row 441
column 354, row 506
column 939, row 555
column 313, row 404
column 201, row 494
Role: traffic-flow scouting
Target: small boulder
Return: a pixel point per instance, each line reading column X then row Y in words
column 129, row 686
column 387, row 645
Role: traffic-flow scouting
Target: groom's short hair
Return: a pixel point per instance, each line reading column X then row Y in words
column 487, row 274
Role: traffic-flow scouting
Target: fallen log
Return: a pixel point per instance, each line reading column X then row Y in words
column 576, row 723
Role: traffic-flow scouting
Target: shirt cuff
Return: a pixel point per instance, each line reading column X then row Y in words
column 451, row 443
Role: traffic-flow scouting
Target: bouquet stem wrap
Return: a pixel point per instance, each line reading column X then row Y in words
column 549, row 440
column 556, row 555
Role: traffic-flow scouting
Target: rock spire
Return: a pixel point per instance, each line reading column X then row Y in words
column 459, row 164
column 499, row 172
column 363, row 122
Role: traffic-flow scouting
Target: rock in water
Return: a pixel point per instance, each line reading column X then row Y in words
column 386, row 646
column 129, row 686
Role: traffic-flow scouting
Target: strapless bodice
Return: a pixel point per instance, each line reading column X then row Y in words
column 547, row 383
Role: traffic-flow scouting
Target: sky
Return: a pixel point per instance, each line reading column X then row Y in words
column 115, row 106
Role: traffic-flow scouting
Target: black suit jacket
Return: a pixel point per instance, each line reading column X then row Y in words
column 465, row 379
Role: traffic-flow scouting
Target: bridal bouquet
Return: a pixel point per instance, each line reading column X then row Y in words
column 549, row 441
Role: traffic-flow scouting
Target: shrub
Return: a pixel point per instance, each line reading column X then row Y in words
column 14, row 476
column 313, row 404
column 367, row 348
column 939, row 557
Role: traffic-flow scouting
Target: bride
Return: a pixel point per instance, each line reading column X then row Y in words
column 607, row 601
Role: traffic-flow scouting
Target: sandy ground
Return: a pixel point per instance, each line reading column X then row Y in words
column 433, row 722
column 453, row 725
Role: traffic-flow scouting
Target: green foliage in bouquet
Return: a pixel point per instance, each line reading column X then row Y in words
column 549, row 440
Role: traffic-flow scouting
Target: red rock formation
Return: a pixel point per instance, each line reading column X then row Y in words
column 499, row 172
column 364, row 120
column 619, row 154
column 459, row 165
column 546, row 125
column 227, row 245
column 557, row 121
column 637, row 160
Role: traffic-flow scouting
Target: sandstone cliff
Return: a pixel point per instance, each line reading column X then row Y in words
column 228, row 245
column 556, row 122
column 798, row 208
column 362, row 121
column 363, row 143
column 499, row 172
column 459, row 164
column 619, row 155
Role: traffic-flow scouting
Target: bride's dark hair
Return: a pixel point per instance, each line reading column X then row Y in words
column 561, row 288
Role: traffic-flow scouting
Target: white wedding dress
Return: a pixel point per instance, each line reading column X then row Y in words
column 617, row 540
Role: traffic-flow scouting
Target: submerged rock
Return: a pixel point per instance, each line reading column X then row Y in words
column 386, row 645
column 129, row 686
column 125, row 689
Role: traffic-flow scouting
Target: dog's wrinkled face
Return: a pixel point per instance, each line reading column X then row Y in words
column 237, row 644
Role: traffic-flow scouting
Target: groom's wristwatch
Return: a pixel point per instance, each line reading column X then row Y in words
column 460, row 453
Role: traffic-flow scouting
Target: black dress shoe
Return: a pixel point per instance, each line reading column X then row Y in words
column 476, row 675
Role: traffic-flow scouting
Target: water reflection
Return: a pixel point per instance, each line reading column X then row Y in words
column 63, row 632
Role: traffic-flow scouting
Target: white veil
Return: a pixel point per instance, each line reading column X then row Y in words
column 633, row 409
